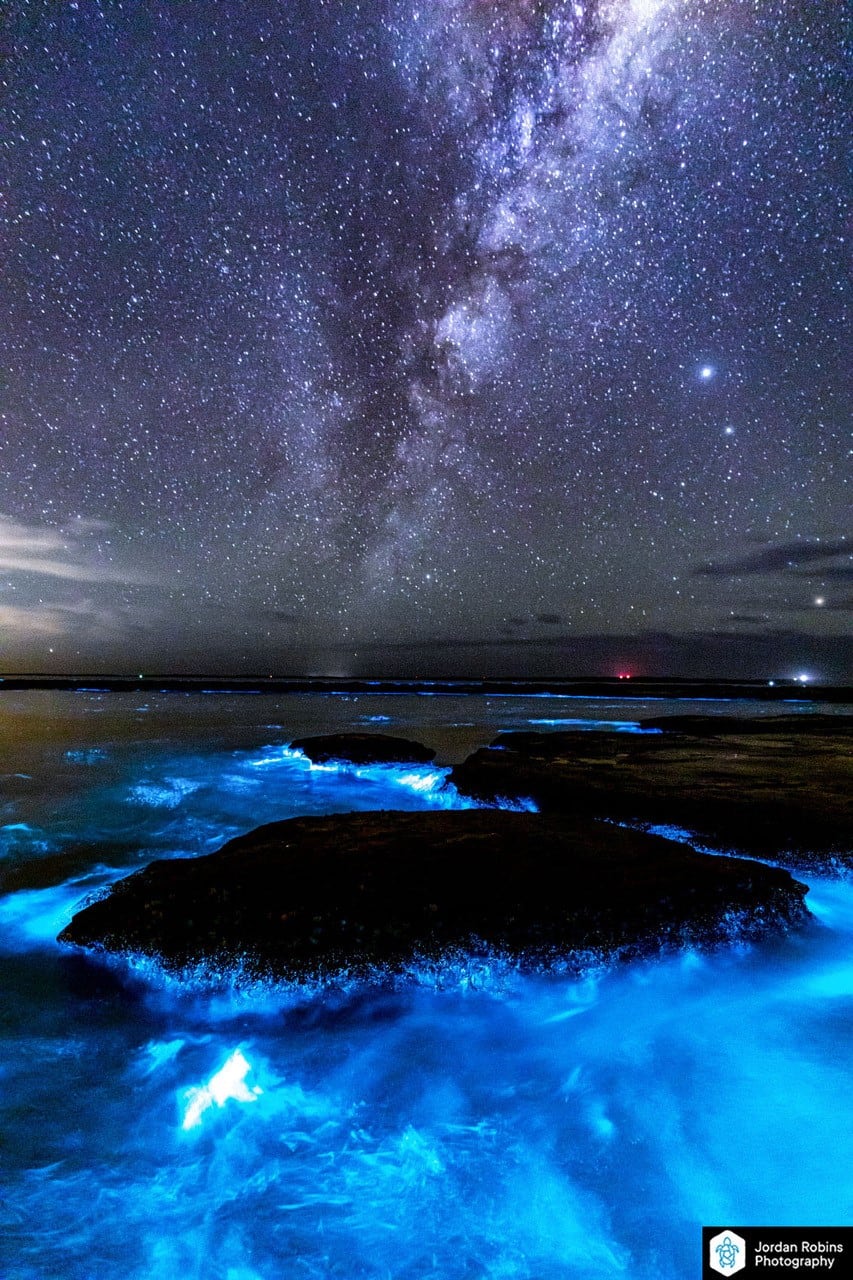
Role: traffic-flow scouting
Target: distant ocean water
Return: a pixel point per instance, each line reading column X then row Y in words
column 465, row 1121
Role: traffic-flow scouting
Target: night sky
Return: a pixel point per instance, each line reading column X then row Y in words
column 429, row 336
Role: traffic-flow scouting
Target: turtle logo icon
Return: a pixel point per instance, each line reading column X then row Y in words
column 727, row 1253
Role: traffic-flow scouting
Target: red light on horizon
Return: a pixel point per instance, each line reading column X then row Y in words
column 624, row 675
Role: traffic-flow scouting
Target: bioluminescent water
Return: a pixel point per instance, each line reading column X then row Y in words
column 467, row 1120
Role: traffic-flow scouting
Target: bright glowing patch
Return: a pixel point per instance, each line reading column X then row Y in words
column 668, row 832
column 618, row 726
column 422, row 782
column 159, row 1053
column 521, row 804
column 229, row 1082
column 32, row 918
column 167, row 795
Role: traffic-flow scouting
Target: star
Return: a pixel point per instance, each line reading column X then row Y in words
column 330, row 341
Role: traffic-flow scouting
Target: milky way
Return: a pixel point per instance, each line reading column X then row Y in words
column 356, row 336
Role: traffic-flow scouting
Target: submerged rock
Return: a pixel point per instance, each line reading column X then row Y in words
column 764, row 788
column 313, row 895
column 363, row 748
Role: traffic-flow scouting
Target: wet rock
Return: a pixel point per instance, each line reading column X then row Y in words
column 351, row 891
column 772, row 791
column 806, row 725
column 363, row 748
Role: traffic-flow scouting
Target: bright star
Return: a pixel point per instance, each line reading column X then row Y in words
column 706, row 372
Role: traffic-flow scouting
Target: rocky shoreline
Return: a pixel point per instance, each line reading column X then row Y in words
column 778, row 789
column 312, row 896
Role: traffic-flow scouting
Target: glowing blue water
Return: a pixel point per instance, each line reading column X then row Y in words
column 462, row 1122
column 620, row 726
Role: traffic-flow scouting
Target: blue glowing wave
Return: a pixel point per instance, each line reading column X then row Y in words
column 465, row 1118
column 617, row 726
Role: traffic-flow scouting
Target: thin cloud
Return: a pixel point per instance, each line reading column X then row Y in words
column 43, row 621
column 60, row 553
column 784, row 557
column 832, row 573
column 77, row 619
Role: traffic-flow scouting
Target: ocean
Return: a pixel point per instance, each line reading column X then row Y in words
column 465, row 1120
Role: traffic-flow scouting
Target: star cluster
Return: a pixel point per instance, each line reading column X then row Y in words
column 347, row 327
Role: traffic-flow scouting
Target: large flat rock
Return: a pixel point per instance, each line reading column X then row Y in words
column 354, row 890
column 775, row 789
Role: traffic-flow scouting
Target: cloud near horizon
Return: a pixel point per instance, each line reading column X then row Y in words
column 44, row 622
column 62, row 589
column 805, row 559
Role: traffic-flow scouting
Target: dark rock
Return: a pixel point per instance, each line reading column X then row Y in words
column 775, row 793
column 363, row 748
column 350, row 891
column 806, row 725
